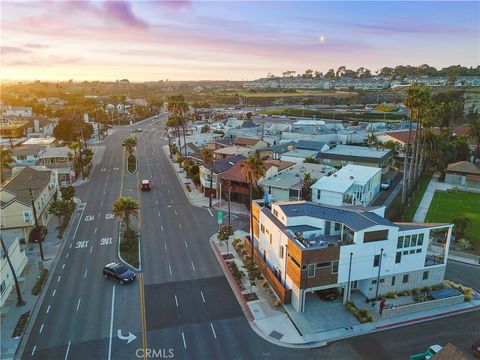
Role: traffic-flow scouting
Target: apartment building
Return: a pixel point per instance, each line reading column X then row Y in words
column 312, row 247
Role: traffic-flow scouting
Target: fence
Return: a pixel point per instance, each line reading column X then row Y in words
column 421, row 306
column 285, row 295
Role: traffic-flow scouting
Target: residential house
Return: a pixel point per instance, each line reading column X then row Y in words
column 298, row 156
column 275, row 151
column 193, row 153
column 464, row 174
column 12, row 128
column 16, row 201
column 311, row 145
column 218, row 143
column 48, row 141
column 227, row 152
column 250, row 143
column 18, row 258
column 21, row 111
column 210, row 174
column 351, row 185
column 287, row 184
column 357, row 155
column 40, row 128
column 309, row 248
column 27, row 155
column 60, row 160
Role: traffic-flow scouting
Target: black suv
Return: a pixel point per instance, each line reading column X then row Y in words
column 118, row 272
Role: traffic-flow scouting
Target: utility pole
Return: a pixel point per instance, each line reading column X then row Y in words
column 378, row 277
column 229, row 208
column 36, row 228
column 20, row 301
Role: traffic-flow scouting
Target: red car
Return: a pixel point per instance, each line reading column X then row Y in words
column 146, row 185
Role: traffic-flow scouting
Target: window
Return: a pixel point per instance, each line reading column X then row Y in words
column 419, row 250
column 334, row 267
column 2, row 287
column 281, row 252
column 269, row 190
column 262, row 228
column 275, row 212
column 374, row 282
column 393, row 280
column 21, row 157
column 405, row 278
column 376, row 260
column 294, row 261
column 337, row 226
column 405, row 252
column 371, row 236
column 382, row 281
column 318, row 194
column 420, row 240
column 311, row 270
column 412, row 251
column 414, row 240
column 270, row 239
column 323, row 264
column 398, row 257
column 425, row 275
column 407, row 241
column 400, row 242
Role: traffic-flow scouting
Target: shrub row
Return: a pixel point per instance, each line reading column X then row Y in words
column 37, row 288
column 361, row 314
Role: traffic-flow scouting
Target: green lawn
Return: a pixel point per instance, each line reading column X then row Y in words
column 450, row 205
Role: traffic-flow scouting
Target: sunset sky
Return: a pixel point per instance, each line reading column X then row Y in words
column 198, row 40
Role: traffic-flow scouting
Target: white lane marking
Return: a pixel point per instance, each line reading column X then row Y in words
column 99, row 215
column 95, row 230
column 175, row 212
column 58, row 280
column 193, row 266
column 161, row 227
column 210, row 212
column 176, row 301
column 79, row 219
column 103, row 192
column 34, row 348
column 91, row 248
column 158, row 213
column 63, row 266
column 156, row 201
column 85, row 275
column 54, row 292
column 101, row 203
column 68, row 349
column 67, row 255
column 165, row 246
column 184, row 342
column 203, row 298
column 213, row 330
column 170, row 269
column 180, row 225
column 41, row 329
column 48, row 309
column 186, row 245
column 78, row 304
column 111, row 324
column 71, row 245
column 171, row 201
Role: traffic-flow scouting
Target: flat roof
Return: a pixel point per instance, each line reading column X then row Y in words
column 357, row 151
column 300, row 153
column 56, row 152
column 40, row 141
column 346, row 177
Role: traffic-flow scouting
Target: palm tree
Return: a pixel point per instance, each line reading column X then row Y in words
column 308, row 181
column 253, row 170
column 179, row 109
column 20, row 301
column 207, row 157
column 125, row 207
column 129, row 144
column 474, row 130
column 75, row 145
column 6, row 160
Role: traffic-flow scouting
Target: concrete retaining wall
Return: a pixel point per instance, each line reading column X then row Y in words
column 422, row 306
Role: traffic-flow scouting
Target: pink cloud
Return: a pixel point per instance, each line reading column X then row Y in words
column 7, row 50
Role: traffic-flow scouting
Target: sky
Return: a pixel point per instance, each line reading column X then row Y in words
column 233, row 40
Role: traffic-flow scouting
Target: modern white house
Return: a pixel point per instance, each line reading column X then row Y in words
column 60, row 160
column 27, row 155
column 312, row 248
column 17, row 257
column 351, row 185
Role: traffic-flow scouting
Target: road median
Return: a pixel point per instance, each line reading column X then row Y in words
column 129, row 246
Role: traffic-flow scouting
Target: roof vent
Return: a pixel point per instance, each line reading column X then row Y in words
column 351, row 177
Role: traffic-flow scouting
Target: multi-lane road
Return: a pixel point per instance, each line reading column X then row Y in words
column 190, row 309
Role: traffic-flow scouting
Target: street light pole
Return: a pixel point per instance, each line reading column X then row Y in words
column 378, row 277
column 36, row 222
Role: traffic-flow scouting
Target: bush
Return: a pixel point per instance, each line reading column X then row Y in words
column 415, row 291
column 21, row 324
column 131, row 164
column 468, row 297
column 37, row 288
column 426, row 288
column 404, row 293
column 391, row 295
column 363, row 312
column 361, row 315
column 129, row 250
column 437, row 287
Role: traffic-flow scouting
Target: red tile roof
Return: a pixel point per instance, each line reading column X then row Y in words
column 402, row 136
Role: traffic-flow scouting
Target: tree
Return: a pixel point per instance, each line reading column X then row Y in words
column 6, row 161
column 474, row 130
column 340, row 71
column 253, row 170
column 309, row 160
column 308, row 181
column 20, row 301
column 72, row 129
column 461, row 225
column 129, row 144
column 179, row 109
column 207, row 157
column 330, row 75
column 68, row 193
column 125, row 207
column 224, row 233
column 59, row 208
column 253, row 272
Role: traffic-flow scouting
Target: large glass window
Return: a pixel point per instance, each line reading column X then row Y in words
column 334, row 267
column 398, row 257
column 414, row 240
column 420, row 240
column 311, row 270
column 400, row 242
column 376, row 260
column 405, row 278
column 407, row 241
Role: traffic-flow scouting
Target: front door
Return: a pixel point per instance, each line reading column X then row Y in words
column 328, row 225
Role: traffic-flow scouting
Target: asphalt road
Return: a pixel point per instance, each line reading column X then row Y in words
column 191, row 311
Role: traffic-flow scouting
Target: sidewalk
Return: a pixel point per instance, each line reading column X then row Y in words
column 10, row 313
column 197, row 198
column 424, row 205
column 283, row 326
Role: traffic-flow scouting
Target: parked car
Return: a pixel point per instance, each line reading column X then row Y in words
column 476, row 348
column 327, row 294
column 118, row 272
column 386, row 184
column 146, row 185
column 139, row 130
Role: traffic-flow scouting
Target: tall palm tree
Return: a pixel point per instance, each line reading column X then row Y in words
column 253, row 170
column 207, row 157
column 20, row 301
column 129, row 144
column 308, row 181
column 74, row 145
column 125, row 207
column 6, row 161
column 474, row 130
column 422, row 120
column 179, row 108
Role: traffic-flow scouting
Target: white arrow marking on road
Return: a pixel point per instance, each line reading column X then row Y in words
column 180, row 225
column 175, row 212
column 165, row 245
column 129, row 338
column 186, row 244
column 193, row 266
column 161, row 227
column 169, row 268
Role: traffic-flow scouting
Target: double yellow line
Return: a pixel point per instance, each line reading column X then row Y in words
column 142, row 310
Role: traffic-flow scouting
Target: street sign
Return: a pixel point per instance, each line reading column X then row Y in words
column 220, row 217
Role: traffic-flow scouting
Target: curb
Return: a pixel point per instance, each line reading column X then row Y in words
column 36, row 308
column 463, row 262
column 136, row 165
column 120, row 256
